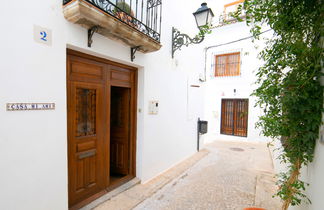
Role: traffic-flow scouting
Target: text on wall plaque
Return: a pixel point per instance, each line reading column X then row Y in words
column 30, row 106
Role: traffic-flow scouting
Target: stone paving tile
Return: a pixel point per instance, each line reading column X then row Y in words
column 225, row 176
column 137, row 194
column 226, row 179
column 115, row 204
column 264, row 190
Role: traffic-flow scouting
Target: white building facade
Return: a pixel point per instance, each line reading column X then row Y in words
column 53, row 77
column 34, row 149
column 235, row 38
column 231, row 65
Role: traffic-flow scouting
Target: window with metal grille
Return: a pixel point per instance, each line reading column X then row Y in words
column 227, row 64
column 234, row 117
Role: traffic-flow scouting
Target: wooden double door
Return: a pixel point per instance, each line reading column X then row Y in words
column 101, row 98
column 234, row 117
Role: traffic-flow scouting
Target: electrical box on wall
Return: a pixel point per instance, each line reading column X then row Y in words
column 154, row 107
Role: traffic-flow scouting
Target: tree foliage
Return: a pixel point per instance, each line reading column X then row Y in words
column 289, row 87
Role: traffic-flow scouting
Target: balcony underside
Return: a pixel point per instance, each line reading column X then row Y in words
column 87, row 16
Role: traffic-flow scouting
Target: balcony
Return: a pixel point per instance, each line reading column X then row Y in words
column 229, row 10
column 136, row 23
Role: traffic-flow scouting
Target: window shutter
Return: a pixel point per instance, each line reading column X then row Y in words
column 227, row 64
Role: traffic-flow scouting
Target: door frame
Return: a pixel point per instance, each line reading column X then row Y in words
column 106, row 101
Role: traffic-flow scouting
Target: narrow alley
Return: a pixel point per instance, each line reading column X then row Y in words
column 224, row 176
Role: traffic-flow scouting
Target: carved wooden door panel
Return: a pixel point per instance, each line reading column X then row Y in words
column 94, row 102
column 85, row 140
column 119, row 133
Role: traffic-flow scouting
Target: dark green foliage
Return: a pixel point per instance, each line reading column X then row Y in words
column 123, row 6
column 289, row 88
column 203, row 30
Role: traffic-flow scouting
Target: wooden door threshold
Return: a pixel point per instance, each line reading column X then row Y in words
column 119, row 182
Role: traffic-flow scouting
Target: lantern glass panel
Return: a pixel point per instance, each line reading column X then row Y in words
column 209, row 17
column 201, row 18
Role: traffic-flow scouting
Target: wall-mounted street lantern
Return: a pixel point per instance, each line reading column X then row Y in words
column 203, row 16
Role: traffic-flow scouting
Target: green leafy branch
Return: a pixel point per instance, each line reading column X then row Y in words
column 289, row 89
column 203, row 30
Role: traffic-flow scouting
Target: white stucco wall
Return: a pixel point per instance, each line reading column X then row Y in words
column 217, row 88
column 33, row 144
column 314, row 173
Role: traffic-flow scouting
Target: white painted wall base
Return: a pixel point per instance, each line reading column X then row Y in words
column 34, row 143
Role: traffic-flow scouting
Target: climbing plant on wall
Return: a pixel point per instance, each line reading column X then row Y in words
column 289, row 87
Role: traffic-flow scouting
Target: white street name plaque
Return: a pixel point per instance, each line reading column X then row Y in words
column 30, row 106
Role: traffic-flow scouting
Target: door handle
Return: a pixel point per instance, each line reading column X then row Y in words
column 87, row 154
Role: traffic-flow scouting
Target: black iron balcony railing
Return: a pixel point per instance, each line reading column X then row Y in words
column 143, row 15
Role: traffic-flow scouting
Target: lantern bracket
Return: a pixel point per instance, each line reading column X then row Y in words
column 180, row 39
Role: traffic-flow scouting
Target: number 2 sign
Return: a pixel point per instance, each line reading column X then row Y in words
column 42, row 35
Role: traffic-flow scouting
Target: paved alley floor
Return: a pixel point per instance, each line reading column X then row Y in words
column 231, row 176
